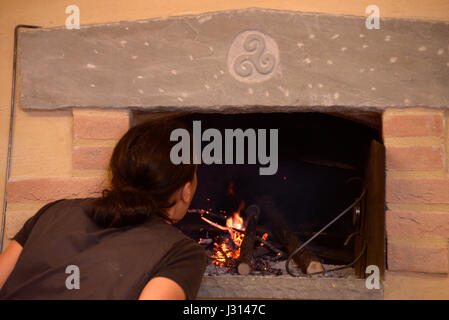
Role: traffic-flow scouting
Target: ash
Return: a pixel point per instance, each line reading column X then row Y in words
column 271, row 265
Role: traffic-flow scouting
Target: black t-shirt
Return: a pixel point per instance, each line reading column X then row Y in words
column 113, row 263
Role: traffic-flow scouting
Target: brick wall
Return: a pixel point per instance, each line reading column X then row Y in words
column 94, row 134
column 417, row 190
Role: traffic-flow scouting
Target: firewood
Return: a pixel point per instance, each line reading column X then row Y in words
column 247, row 247
column 283, row 233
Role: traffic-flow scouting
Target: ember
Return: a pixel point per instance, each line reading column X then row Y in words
column 228, row 250
column 224, row 253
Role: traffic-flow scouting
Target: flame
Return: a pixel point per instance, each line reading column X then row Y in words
column 226, row 252
column 236, row 222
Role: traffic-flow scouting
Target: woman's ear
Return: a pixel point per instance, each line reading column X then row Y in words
column 186, row 193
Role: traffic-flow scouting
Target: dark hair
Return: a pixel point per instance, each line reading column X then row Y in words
column 142, row 176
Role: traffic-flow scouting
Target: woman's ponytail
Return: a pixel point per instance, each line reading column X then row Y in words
column 143, row 178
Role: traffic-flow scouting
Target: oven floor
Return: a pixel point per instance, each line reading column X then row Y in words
column 348, row 273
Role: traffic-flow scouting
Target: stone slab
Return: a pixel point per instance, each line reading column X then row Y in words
column 237, row 59
column 286, row 287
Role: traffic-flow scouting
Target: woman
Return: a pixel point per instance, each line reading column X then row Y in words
column 119, row 246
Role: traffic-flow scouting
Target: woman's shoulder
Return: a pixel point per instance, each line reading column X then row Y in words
column 69, row 202
column 157, row 224
column 169, row 235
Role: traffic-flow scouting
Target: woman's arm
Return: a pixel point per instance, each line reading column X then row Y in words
column 8, row 259
column 160, row 288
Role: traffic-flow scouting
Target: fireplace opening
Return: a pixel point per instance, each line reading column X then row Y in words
column 249, row 224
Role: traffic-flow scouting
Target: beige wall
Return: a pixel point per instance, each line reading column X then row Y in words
column 42, row 144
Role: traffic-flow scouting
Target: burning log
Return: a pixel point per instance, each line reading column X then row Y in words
column 282, row 232
column 247, row 247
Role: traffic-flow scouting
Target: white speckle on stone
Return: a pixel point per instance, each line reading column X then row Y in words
column 335, row 36
column 211, row 49
column 373, row 88
column 146, row 43
column 140, row 91
column 127, row 28
column 174, row 72
column 362, row 35
column 139, row 77
column 134, row 57
column 393, row 59
column 365, row 46
column 123, row 43
column 221, row 71
column 95, row 51
column 284, row 91
column 161, row 90
column 320, row 85
column 310, row 85
column 422, row 48
column 343, row 49
column 362, row 70
column 250, row 91
column 92, row 85
column 387, row 37
column 207, row 86
column 440, row 51
column 190, row 57
column 329, row 62
column 180, row 99
column 307, row 60
column 90, row 66
column 204, row 19
column 406, row 100
column 267, row 93
column 312, row 36
column 215, row 76
column 371, row 69
column 336, row 95
column 300, row 44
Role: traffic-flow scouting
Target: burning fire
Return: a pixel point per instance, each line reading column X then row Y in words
column 226, row 251
column 236, row 222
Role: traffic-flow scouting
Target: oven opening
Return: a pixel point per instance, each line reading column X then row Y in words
column 324, row 193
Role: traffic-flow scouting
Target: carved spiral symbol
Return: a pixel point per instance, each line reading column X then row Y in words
column 258, row 60
column 263, row 62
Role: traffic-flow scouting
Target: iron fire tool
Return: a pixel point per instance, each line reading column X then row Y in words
column 295, row 252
